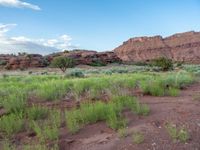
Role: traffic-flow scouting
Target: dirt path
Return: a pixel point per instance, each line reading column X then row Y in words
column 182, row 111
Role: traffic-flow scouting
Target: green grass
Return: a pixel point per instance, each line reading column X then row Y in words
column 37, row 112
column 45, row 132
column 99, row 111
column 52, row 90
column 11, row 124
column 15, row 103
column 6, row 145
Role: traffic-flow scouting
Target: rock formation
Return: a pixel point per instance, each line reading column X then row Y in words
column 82, row 57
column 85, row 57
column 23, row 61
column 182, row 47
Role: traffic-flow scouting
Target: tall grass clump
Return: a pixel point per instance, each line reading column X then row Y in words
column 37, row 112
column 99, row 111
column 52, row 90
column 45, row 132
column 15, row 102
column 11, row 124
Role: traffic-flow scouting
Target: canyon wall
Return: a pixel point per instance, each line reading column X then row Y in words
column 182, row 47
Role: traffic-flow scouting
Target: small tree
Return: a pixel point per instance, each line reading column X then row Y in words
column 164, row 63
column 63, row 63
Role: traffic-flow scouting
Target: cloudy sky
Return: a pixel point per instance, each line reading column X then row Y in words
column 46, row 26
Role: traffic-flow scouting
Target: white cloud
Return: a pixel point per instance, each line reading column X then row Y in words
column 18, row 4
column 5, row 28
column 24, row 44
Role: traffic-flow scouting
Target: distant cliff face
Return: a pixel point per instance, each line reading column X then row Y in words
column 179, row 47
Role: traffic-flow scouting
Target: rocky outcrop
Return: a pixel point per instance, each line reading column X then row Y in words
column 81, row 57
column 23, row 61
column 84, row 57
column 182, row 47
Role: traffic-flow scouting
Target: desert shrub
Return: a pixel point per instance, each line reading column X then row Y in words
column 11, row 124
column 138, row 138
column 179, row 64
column 164, row 63
column 3, row 63
column 76, row 74
column 98, row 63
column 177, row 133
column 122, row 132
column 63, row 63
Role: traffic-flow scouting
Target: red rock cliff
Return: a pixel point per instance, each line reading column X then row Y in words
column 179, row 47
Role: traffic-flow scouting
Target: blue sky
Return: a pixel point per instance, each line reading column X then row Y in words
column 44, row 26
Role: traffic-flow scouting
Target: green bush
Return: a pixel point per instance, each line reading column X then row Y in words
column 164, row 63
column 3, row 63
column 76, row 74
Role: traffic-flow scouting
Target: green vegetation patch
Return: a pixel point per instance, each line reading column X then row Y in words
column 99, row 111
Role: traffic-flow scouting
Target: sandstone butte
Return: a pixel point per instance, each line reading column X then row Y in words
column 181, row 47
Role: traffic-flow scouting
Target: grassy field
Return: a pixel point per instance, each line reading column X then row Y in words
column 96, row 95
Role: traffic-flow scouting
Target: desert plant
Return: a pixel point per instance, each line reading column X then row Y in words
column 138, row 138
column 173, row 91
column 122, row 132
column 6, row 145
column 75, row 73
column 98, row 63
column 164, row 63
column 45, row 132
column 11, row 124
column 183, row 135
column 99, row 111
column 177, row 133
column 15, row 102
column 3, row 63
column 52, row 90
column 63, row 63
column 37, row 112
